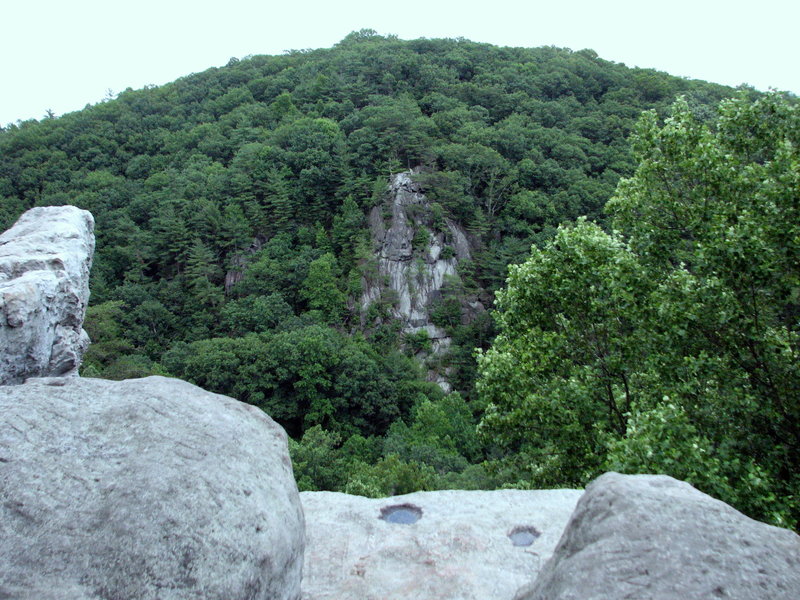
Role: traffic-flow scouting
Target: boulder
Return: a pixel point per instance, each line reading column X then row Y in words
column 148, row 488
column 460, row 547
column 651, row 537
column 44, row 289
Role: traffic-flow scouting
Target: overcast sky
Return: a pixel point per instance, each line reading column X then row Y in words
column 61, row 55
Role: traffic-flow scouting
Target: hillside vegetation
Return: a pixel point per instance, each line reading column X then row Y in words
column 672, row 344
column 232, row 238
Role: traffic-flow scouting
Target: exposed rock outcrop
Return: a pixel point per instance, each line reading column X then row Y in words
column 461, row 547
column 149, row 488
column 44, row 290
column 238, row 265
column 411, row 278
column 653, row 537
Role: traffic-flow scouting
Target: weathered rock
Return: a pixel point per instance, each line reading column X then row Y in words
column 149, row 488
column 458, row 549
column 413, row 284
column 44, row 289
column 651, row 537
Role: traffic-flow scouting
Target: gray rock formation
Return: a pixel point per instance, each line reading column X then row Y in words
column 652, row 537
column 44, row 289
column 148, row 488
column 412, row 283
column 459, row 548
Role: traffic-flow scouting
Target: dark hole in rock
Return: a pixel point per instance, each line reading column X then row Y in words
column 523, row 536
column 404, row 514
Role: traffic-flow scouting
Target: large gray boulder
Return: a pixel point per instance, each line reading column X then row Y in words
column 461, row 548
column 44, row 289
column 146, row 489
column 651, row 537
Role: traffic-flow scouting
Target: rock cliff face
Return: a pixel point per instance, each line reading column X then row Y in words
column 44, row 289
column 148, row 488
column 464, row 545
column 651, row 536
column 415, row 257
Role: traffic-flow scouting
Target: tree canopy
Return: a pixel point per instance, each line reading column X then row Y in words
column 669, row 344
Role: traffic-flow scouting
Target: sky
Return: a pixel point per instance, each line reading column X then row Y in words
column 61, row 55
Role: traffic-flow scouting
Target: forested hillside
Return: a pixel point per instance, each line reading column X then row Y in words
column 233, row 243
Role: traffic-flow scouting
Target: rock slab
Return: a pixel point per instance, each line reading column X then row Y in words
column 149, row 488
column 651, row 537
column 458, row 549
column 44, row 290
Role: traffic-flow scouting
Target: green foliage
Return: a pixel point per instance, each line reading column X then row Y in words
column 442, row 435
column 433, row 453
column 437, row 217
column 233, row 240
column 316, row 466
column 647, row 349
column 559, row 372
column 446, row 311
column 257, row 314
column 203, row 275
column 102, row 323
column 421, row 241
column 417, row 341
column 663, row 440
column 347, row 230
column 10, row 210
column 322, row 462
column 305, row 377
column 320, row 288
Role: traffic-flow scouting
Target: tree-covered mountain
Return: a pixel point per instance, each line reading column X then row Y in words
column 233, row 243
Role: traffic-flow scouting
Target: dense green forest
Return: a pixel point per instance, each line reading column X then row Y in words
column 670, row 344
column 232, row 247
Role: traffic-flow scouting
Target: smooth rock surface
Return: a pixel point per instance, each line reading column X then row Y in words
column 651, row 537
column 148, row 488
column 458, row 549
column 44, row 290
